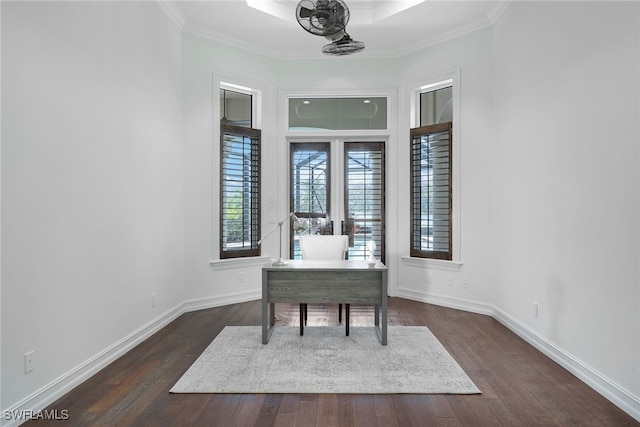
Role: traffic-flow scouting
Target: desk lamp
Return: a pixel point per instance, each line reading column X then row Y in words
column 299, row 225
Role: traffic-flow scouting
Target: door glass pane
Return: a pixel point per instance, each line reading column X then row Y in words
column 310, row 190
column 364, row 195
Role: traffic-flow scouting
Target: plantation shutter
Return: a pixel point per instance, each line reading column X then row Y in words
column 431, row 230
column 240, row 191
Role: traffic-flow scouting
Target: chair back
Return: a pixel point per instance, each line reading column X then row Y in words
column 324, row 247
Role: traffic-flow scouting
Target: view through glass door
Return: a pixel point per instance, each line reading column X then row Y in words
column 355, row 206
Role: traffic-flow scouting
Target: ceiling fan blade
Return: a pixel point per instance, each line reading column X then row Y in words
column 305, row 13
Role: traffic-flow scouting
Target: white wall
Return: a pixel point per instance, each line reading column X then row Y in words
column 566, row 180
column 205, row 63
column 91, row 183
column 471, row 57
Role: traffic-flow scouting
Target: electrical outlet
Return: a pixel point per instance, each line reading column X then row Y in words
column 450, row 281
column 429, row 277
column 154, row 300
column 465, row 283
column 241, row 277
column 535, row 310
column 28, row 361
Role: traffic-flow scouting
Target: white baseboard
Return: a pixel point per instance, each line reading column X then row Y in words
column 51, row 392
column 609, row 389
column 447, row 301
column 218, row 301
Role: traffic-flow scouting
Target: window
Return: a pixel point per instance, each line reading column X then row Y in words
column 321, row 114
column 239, row 176
column 436, row 106
column 431, row 175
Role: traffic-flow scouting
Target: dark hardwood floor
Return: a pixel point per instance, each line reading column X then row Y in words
column 520, row 386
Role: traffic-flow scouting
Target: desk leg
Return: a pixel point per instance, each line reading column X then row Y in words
column 268, row 316
column 302, row 308
column 385, row 299
column 347, row 308
column 377, row 315
column 265, row 322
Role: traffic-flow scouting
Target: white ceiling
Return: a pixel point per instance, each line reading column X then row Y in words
column 386, row 34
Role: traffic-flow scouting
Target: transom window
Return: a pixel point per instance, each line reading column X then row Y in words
column 347, row 113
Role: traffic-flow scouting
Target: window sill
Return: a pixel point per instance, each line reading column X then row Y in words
column 223, row 264
column 436, row 264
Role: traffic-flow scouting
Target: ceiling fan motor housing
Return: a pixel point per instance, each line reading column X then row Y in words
column 322, row 17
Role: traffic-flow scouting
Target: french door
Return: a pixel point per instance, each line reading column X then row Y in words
column 346, row 199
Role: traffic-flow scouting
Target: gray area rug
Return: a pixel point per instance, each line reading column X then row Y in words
column 325, row 361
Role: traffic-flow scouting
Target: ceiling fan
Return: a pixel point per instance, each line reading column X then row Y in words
column 328, row 18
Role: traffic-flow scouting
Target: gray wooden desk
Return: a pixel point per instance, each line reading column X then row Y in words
column 346, row 282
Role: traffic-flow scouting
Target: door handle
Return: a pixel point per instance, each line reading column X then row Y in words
column 348, row 230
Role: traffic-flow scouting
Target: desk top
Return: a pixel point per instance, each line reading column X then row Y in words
column 318, row 265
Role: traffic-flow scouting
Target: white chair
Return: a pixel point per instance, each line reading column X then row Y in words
column 324, row 247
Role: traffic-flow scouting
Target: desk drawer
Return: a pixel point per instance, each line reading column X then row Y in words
column 349, row 287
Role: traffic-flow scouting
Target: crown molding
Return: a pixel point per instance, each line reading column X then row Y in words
column 478, row 25
column 497, row 12
column 173, row 13
column 217, row 37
